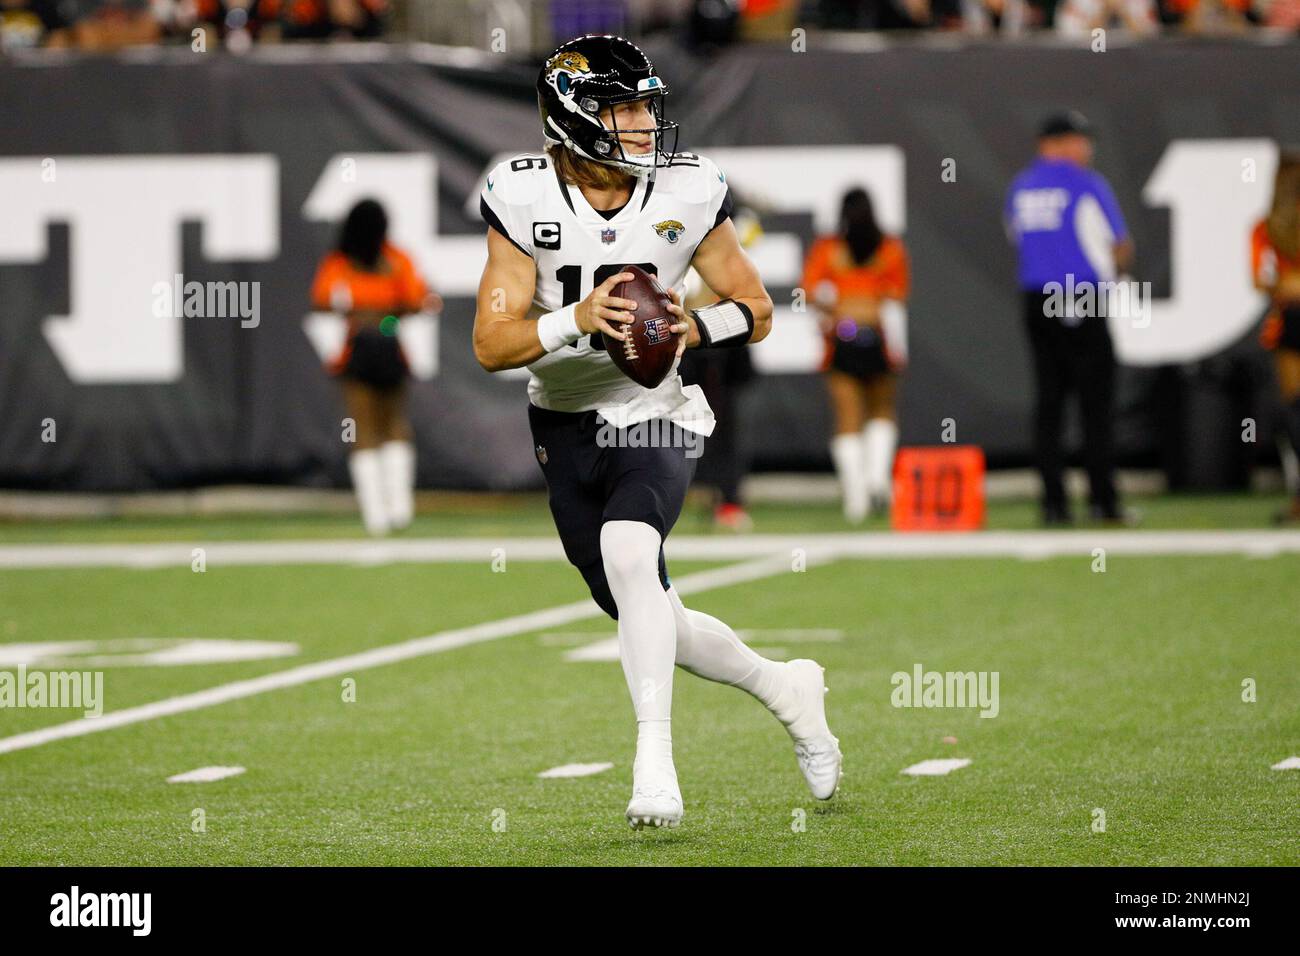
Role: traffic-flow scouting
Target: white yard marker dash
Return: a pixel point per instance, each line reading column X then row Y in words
column 606, row 650
column 205, row 775
column 575, row 770
column 936, row 768
column 1290, row 763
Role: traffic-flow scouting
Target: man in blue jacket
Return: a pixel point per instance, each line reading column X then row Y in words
column 1071, row 236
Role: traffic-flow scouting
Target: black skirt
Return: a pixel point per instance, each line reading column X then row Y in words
column 375, row 359
column 1290, row 338
column 863, row 356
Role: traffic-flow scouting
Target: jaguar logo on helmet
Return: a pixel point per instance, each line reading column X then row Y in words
column 579, row 90
column 563, row 68
column 670, row 229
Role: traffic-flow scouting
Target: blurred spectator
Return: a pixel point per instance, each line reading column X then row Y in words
column 339, row 19
column 1078, row 18
column 859, row 280
column 373, row 283
column 113, row 24
column 1208, row 16
column 573, row 18
column 1275, row 265
column 237, row 22
column 1279, row 14
column 1009, row 17
column 768, row 19
column 25, row 24
column 661, row 14
column 713, row 22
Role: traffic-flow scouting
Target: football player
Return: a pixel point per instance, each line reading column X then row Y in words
column 609, row 191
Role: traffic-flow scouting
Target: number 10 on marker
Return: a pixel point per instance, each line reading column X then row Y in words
column 939, row 488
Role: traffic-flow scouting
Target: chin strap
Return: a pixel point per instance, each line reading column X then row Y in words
column 725, row 324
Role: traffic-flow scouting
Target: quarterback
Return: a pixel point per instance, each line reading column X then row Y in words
column 608, row 192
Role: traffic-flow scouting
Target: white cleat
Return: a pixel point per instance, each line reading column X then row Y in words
column 654, row 808
column 656, row 800
column 802, row 708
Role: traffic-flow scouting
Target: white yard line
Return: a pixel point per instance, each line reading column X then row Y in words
column 936, row 768
column 575, row 770
column 379, row 657
column 205, row 775
column 882, row 545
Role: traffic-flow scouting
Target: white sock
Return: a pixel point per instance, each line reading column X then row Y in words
column 647, row 633
column 398, row 459
column 1290, row 467
column 846, row 453
column 708, row 648
column 368, row 482
column 654, row 748
column 879, row 440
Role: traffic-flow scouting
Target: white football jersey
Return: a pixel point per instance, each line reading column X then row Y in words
column 576, row 249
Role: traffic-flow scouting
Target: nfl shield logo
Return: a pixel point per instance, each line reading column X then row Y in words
column 607, row 236
column 656, row 331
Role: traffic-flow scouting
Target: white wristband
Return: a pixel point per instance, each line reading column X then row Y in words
column 560, row 328
column 724, row 323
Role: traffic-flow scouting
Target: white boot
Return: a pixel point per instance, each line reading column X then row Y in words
column 879, row 441
column 368, row 482
column 846, row 453
column 398, row 461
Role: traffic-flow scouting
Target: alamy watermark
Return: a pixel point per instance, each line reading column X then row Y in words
column 1072, row 301
column 654, row 433
column 208, row 300
column 133, row 911
column 79, row 690
column 922, row 688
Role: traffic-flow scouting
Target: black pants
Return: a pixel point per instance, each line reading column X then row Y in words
column 596, row 473
column 1072, row 360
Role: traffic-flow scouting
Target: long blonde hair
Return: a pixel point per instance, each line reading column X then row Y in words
column 1284, row 218
column 577, row 171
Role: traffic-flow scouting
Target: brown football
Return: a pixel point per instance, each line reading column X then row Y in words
column 647, row 354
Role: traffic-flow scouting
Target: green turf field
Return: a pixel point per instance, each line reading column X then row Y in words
column 1119, row 690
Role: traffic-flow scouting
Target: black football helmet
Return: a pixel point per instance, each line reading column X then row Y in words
column 586, row 75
